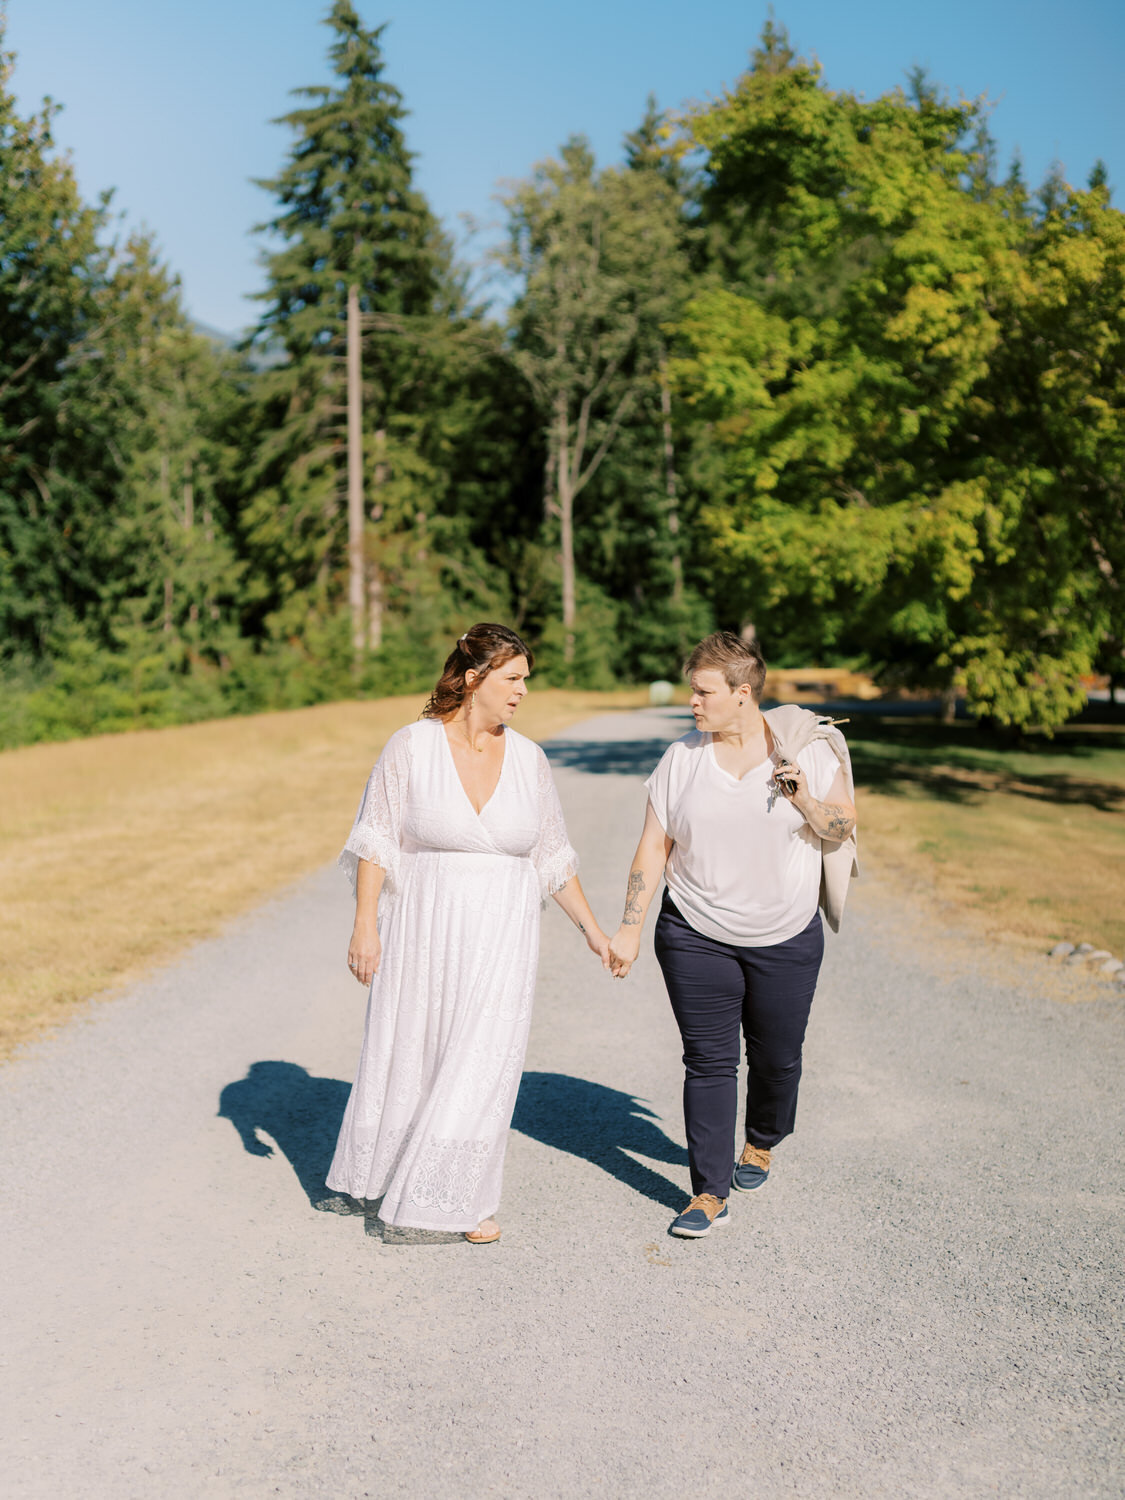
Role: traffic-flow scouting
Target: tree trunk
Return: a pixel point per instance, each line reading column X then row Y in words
column 374, row 609
column 566, row 528
column 374, row 575
column 670, row 481
column 355, row 477
column 948, row 705
column 189, row 497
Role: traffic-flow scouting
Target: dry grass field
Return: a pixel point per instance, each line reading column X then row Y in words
column 115, row 852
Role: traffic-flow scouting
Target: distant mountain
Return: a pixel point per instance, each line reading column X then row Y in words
column 224, row 340
column 262, row 358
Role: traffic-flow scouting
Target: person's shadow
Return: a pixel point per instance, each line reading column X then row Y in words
column 600, row 1125
column 300, row 1112
column 303, row 1114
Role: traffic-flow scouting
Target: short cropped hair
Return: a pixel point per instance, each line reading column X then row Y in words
column 736, row 659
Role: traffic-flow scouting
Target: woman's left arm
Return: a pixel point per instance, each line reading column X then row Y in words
column 832, row 817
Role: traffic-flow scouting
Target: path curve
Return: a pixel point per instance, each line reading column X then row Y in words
column 924, row 1302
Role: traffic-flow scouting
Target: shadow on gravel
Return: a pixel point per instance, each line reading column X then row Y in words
column 600, row 1125
column 300, row 1112
column 610, row 757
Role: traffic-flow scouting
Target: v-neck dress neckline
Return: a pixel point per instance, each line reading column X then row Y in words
column 457, row 775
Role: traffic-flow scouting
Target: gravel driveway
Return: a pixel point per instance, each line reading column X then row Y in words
column 924, row 1301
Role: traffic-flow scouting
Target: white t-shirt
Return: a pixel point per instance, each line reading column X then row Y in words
column 744, row 866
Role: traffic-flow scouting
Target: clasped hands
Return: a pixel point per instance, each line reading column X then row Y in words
column 619, row 953
column 624, row 946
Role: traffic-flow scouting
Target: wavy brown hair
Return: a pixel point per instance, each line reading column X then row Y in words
column 481, row 649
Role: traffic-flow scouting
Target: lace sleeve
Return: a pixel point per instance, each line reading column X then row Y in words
column 554, row 859
column 377, row 830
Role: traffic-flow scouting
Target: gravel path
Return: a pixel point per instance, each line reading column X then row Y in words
column 924, row 1301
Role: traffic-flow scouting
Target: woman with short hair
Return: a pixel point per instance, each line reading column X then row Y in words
column 458, row 839
column 749, row 815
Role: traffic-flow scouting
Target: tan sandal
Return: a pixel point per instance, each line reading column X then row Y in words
column 482, row 1235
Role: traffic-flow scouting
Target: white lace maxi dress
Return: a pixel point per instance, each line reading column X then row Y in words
column 426, row 1124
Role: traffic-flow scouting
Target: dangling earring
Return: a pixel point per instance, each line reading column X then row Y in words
column 472, row 702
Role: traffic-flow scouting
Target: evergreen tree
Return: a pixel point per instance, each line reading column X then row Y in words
column 349, row 216
column 102, row 380
column 51, row 266
column 163, row 404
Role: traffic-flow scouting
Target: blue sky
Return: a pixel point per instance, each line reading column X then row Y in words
column 169, row 103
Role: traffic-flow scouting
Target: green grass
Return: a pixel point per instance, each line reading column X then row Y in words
column 1026, row 839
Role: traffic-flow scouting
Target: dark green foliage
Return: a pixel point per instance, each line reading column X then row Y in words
column 50, row 269
column 801, row 360
column 435, row 427
column 118, row 584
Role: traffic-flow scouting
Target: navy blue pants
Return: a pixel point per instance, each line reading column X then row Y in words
column 718, row 992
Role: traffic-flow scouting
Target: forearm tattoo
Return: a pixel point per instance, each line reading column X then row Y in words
column 836, row 822
column 633, row 914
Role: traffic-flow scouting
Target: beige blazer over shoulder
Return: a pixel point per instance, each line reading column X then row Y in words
column 793, row 727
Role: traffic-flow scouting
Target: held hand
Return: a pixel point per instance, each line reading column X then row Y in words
column 624, row 946
column 364, row 953
column 598, row 943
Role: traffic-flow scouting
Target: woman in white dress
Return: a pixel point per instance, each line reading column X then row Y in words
column 458, row 840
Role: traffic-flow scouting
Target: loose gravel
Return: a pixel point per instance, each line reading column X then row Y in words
column 924, row 1301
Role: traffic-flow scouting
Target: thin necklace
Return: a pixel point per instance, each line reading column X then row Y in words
column 465, row 740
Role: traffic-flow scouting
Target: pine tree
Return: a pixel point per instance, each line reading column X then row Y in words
column 349, row 217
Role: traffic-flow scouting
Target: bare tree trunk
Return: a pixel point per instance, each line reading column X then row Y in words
column 374, row 609
column 189, row 497
column 670, row 481
column 355, row 476
column 550, row 505
column 566, row 528
column 948, row 704
column 167, row 604
column 374, row 574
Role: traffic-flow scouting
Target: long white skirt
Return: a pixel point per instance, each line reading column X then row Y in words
column 426, row 1124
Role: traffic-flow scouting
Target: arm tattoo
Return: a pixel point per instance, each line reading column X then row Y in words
column 837, row 823
column 633, row 914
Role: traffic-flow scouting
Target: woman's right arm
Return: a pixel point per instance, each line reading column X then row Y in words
column 371, row 854
column 644, row 879
column 365, row 949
